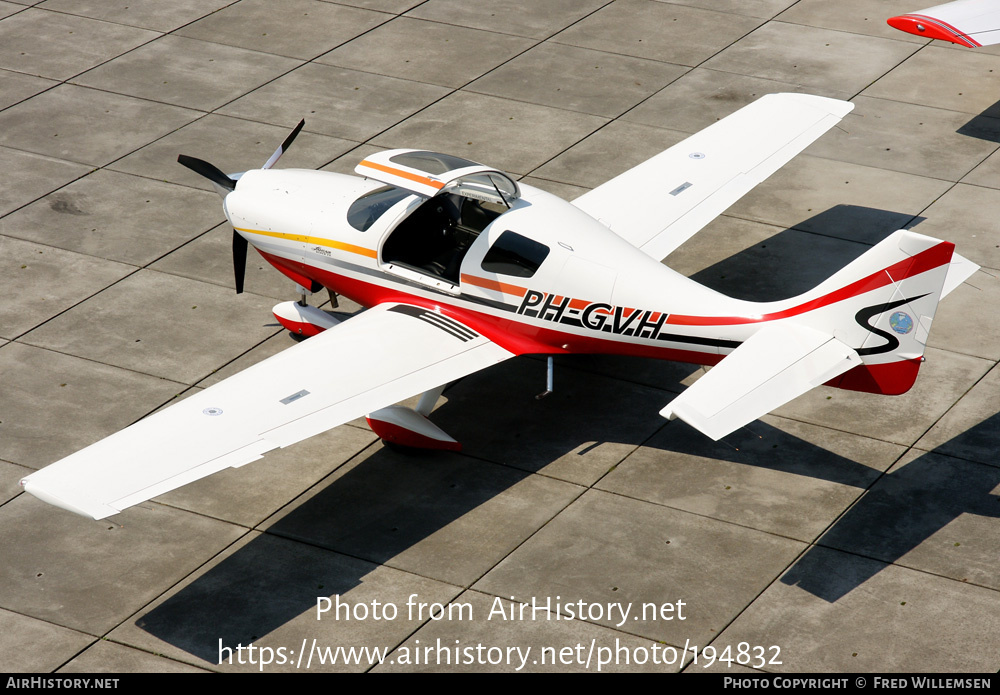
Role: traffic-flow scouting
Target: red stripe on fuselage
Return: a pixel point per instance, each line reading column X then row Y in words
column 518, row 337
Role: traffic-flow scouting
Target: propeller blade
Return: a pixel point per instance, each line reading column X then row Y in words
column 239, row 260
column 209, row 171
column 284, row 146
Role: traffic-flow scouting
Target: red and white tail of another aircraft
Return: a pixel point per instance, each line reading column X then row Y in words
column 971, row 23
column 463, row 267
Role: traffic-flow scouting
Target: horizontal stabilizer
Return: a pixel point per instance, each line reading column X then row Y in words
column 959, row 270
column 775, row 365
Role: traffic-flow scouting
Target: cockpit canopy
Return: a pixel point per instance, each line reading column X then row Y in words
column 459, row 200
column 430, row 173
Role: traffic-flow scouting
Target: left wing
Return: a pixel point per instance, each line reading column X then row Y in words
column 777, row 364
column 971, row 23
column 664, row 201
column 379, row 357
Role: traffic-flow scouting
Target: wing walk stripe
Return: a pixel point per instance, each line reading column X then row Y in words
column 428, row 320
column 440, row 322
column 445, row 322
column 408, row 310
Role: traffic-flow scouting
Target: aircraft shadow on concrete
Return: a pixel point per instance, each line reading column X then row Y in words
column 373, row 513
column 379, row 511
column 985, row 126
column 905, row 508
column 894, row 512
column 367, row 516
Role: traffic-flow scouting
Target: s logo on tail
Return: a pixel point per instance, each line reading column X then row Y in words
column 866, row 314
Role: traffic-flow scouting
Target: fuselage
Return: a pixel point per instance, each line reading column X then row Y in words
column 590, row 292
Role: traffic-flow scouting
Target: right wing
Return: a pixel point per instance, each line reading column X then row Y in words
column 971, row 23
column 664, row 201
column 381, row 356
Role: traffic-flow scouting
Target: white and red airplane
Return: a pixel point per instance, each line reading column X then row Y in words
column 972, row 23
column 463, row 267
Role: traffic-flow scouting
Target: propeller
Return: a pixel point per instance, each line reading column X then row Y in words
column 224, row 184
column 239, row 259
column 283, row 147
column 209, row 171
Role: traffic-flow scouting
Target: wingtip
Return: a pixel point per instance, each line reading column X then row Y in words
column 927, row 27
column 90, row 511
column 836, row 107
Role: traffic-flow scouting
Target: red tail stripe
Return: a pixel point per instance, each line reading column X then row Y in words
column 929, row 259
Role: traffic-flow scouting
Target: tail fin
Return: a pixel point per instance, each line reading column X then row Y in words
column 882, row 305
column 864, row 329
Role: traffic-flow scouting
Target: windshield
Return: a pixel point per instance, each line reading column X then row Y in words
column 366, row 210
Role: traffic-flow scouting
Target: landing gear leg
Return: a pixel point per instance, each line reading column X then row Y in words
column 303, row 293
column 549, row 380
column 429, row 399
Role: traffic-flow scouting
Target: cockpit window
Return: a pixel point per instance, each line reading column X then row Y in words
column 431, row 162
column 513, row 254
column 366, row 210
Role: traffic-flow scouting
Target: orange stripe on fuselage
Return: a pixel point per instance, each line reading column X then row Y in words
column 403, row 174
column 319, row 241
column 494, row 285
